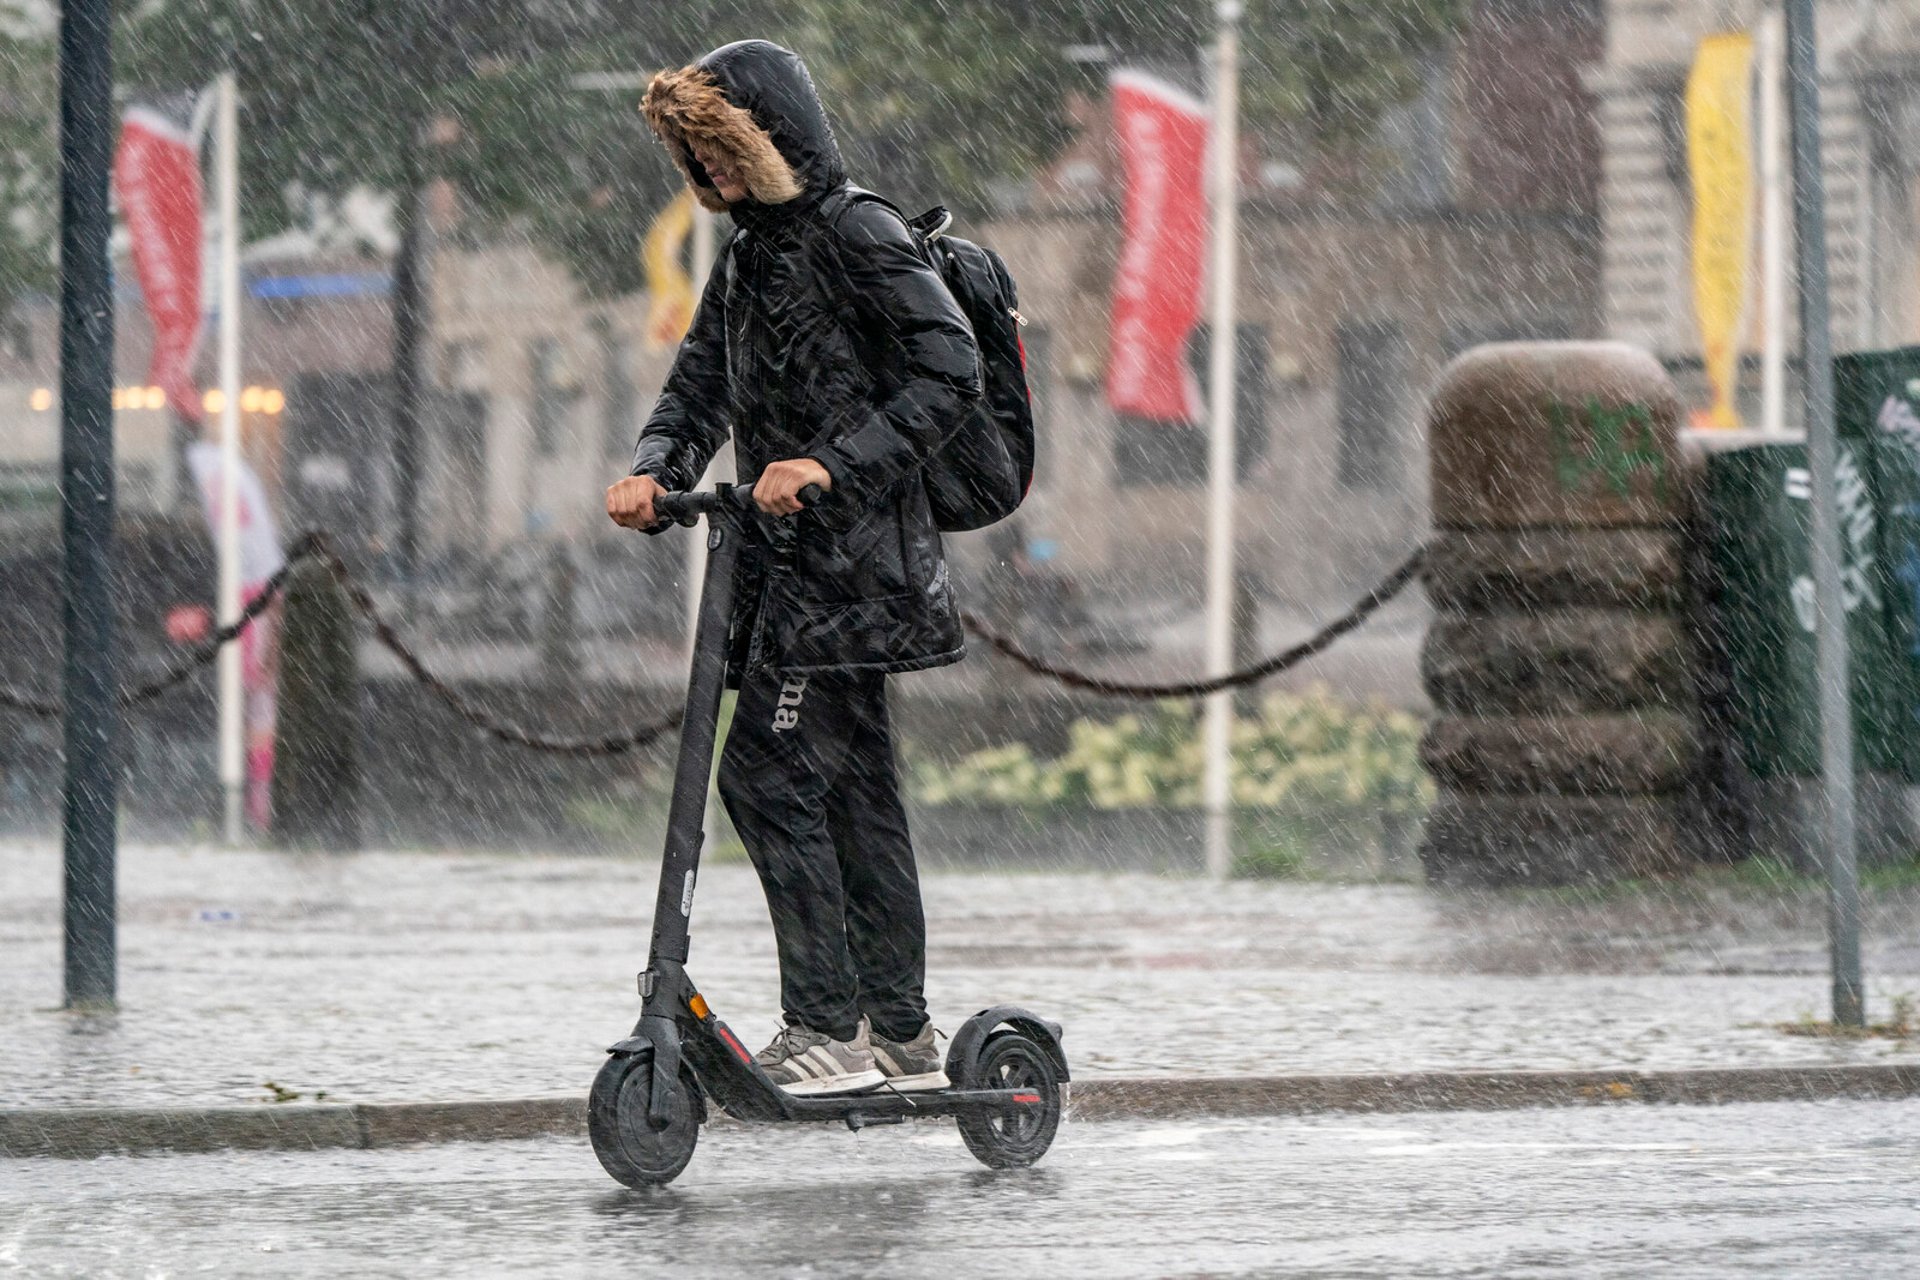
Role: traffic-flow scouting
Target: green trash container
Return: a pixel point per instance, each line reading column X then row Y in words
column 1877, row 402
column 1759, row 512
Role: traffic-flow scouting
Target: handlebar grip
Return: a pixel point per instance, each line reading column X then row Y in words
column 686, row 508
column 678, row 508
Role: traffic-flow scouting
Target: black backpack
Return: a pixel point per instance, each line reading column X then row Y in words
column 982, row 473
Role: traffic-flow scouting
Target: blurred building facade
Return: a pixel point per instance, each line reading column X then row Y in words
column 1355, row 291
column 1870, row 142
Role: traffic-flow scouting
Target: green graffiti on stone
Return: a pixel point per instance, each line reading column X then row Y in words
column 1621, row 442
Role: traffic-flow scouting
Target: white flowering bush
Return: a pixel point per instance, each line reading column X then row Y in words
column 1303, row 753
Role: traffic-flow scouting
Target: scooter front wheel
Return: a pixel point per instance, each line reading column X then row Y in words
column 628, row 1145
column 1017, row 1137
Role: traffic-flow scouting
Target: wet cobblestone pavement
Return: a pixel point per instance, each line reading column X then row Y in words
column 1801, row 1190
column 417, row 976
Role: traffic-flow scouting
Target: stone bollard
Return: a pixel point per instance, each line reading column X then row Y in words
column 1558, row 659
column 316, row 765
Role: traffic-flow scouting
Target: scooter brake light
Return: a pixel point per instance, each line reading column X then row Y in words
column 739, row 1050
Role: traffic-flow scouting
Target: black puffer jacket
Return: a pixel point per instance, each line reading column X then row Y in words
column 836, row 342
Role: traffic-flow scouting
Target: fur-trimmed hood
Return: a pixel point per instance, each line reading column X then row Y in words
column 754, row 100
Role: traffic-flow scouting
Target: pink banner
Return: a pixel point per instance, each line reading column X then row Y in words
column 156, row 174
column 1157, row 290
column 260, row 558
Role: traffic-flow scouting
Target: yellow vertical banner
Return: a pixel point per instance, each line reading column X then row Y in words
column 1720, row 158
column 670, row 299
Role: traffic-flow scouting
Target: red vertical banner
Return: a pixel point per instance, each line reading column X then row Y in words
column 156, row 175
column 1162, row 132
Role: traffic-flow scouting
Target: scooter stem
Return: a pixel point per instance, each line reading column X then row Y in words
column 699, row 726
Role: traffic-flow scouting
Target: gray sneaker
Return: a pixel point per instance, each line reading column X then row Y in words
column 913, row 1065
column 802, row 1060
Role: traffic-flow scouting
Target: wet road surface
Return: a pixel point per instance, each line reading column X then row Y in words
column 426, row 977
column 1801, row 1189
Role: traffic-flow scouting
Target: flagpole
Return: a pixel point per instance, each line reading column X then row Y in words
column 232, row 719
column 1222, row 348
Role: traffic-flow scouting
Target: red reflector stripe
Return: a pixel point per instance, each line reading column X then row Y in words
column 1026, row 1097
column 739, row 1050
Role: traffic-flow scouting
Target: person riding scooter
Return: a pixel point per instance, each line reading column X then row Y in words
column 834, row 356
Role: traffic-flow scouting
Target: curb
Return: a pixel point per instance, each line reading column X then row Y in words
column 86, row 1132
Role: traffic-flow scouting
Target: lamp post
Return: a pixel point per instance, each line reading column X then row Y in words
column 89, row 821
column 1834, row 677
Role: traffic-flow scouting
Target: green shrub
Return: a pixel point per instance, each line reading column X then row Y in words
column 1282, row 853
column 1303, row 753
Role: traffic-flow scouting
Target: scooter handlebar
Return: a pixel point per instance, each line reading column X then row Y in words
column 687, row 507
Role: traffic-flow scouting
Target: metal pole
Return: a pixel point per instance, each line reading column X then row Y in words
column 233, row 776
column 1836, row 710
column 92, row 731
column 1220, row 452
column 1773, row 232
column 718, row 468
column 407, row 308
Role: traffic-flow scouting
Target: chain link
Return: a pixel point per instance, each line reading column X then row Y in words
column 313, row 546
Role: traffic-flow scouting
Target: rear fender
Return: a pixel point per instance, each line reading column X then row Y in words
column 966, row 1044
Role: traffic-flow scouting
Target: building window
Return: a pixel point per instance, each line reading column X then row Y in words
column 1417, row 136
column 1036, row 341
column 1670, row 112
column 549, row 402
column 1148, row 452
column 1369, row 387
column 619, row 400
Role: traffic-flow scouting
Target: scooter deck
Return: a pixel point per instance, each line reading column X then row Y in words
column 736, row 1084
column 882, row 1105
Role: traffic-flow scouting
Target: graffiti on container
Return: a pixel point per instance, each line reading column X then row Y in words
column 1898, row 420
column 1860, row 562
column 1620, row 442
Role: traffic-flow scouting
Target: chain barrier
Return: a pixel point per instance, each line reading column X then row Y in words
column 193, row 659
column 1388, row 588
column 502, row 730
column 313, row 546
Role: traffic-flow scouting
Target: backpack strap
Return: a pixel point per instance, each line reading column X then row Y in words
column 846, row 195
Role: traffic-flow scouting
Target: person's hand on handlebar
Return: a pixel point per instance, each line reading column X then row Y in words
column 778, row 489
column 630, row 502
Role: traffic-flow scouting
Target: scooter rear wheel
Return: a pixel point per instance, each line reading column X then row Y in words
column 1014, row 1138
column 629, row 1147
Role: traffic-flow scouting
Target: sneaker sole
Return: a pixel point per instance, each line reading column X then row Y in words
column 925, row 1080
column 852, row 1083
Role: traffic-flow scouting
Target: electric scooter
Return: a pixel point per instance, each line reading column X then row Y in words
column 1009, row 1075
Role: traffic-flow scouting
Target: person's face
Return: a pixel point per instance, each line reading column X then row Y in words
column 722, row 170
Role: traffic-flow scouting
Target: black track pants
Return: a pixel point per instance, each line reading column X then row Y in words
column 808, row 778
